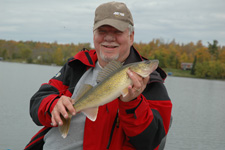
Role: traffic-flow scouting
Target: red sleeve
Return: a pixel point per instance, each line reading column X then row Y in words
column 46, row 108
column 44, row 100
column 145, row 122
column 135, row 116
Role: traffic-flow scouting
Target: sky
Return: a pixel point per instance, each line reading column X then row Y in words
column 71, row 21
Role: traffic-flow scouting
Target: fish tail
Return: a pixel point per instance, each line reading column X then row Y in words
column 64, row 129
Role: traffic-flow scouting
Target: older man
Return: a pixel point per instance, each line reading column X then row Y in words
column 140, row 120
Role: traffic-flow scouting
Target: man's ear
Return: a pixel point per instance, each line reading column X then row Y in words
column 132, row 38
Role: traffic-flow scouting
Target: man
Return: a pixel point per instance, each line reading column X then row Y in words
column 140, row 120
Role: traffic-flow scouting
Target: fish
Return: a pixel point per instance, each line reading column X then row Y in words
column 113, row 81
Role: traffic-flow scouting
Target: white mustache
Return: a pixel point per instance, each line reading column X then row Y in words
column 106, row 44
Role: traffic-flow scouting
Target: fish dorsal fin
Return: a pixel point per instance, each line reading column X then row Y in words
column 82, row 91
column 108, row 70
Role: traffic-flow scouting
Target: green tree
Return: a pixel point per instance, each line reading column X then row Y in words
column 193, row 66
column 213, row 49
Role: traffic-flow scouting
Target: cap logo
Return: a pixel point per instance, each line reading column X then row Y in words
column 118, row 14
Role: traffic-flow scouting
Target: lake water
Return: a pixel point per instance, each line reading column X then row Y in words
column 198, row 108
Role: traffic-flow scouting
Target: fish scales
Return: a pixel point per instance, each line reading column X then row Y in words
column 108, row 89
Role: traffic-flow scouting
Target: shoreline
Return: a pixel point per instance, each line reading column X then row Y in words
column 169, row 71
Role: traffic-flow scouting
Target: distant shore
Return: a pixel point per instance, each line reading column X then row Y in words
column 184, row 73
column 179, row 72
column 168, row 71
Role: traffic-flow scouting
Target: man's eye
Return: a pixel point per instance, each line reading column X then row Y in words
column 118, row 32
column 101, row 31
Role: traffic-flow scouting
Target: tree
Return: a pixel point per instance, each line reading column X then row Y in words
column 213, row 49
column 193, row 66
column 202, row 55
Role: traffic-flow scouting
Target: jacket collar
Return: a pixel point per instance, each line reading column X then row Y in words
column 89, row 58
column 86, row 57
column 134, row 56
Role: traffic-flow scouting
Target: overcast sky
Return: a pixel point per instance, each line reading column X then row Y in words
column 71, row 21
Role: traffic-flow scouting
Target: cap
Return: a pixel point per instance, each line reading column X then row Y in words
column 115, row 14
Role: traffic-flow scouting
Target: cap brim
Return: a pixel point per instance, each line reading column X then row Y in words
column 118, row 24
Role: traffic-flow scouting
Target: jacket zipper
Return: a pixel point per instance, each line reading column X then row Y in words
column 113, row 127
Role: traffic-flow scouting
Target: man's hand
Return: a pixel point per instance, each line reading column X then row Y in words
column 64, row 103
column 137, row 88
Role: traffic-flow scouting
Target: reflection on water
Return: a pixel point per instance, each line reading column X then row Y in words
column 198, row 108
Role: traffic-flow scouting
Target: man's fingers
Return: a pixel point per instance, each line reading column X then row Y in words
column 137, row 80
column 134, row 90
column 69, row 106
column 63, row 112
column 56, row 119
column 146, row 80
column 61, row 109
column 54, row 123
column 72, row 101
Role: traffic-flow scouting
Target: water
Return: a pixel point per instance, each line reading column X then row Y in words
column 198, row 114
column 198, row 108
column 18, row 82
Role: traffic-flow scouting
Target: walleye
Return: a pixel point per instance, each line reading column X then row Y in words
column 113, row 81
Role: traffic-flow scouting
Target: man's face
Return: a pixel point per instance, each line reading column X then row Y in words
column 112, row 44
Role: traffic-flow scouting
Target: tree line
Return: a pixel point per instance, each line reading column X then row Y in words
column 208, row 61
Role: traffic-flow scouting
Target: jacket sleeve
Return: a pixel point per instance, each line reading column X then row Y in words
column 146, row 120
column 43, row 101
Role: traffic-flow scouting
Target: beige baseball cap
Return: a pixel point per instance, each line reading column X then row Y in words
column 115, row 14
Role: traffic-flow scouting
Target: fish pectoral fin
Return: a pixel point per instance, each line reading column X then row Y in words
column 91, row 113
column 124, row 92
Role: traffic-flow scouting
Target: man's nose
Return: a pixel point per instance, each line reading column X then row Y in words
column 109, row 37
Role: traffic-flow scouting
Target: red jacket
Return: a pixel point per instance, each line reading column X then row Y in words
column 139, row 124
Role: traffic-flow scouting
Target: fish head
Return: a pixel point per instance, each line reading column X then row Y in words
column 144, row 68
